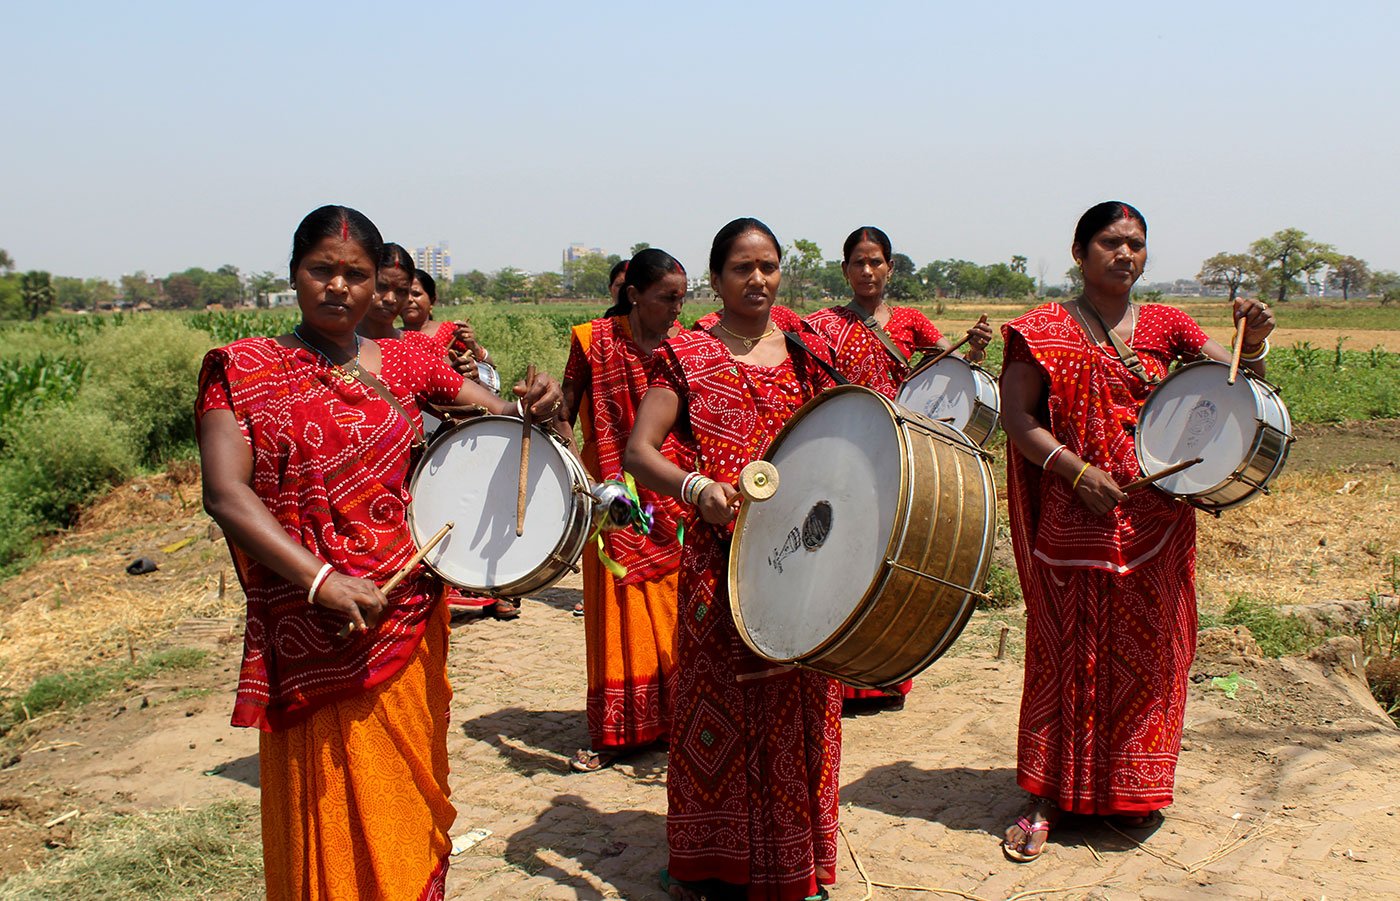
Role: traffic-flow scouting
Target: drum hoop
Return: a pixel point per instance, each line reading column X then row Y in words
column 1257, row 385
column 576, row 468
column 882, row 573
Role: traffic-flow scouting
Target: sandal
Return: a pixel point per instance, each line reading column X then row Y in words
column 1040, row 817
column 578, row 608
column 709, row 890
column 504, row 610
column 588, row 760
column 1150, row 820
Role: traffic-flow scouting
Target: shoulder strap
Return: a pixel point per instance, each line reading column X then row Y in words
column 1125, row 354
column 797, row 343
column 366, row 378
column 880, row 333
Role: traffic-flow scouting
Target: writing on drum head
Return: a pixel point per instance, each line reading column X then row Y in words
column 937, row 406
column 1200, row 422
column 811, row 535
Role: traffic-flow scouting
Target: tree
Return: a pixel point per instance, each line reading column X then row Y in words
column 7, row 262
column 1285, row 255
column 475, row 282
column 1348, row 274
column 1228, row 270
column 71, row 293
column 637, row 248
column 509, row 284
column 802, row 261
column 1018, row 264
column 222, row 287
column 181, row 289
column 138, row 288
column 36, row 292
column 829, row 279
column 904, row 283
column 543, row 285
column 1386, row 285
column 261, row 284
column 588, row 276
column 1075, row 278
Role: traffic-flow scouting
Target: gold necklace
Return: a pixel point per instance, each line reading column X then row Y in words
column 748, row 342
column 348, row 373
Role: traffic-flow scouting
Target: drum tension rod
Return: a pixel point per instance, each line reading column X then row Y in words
column 944, row 582
column 565, row 563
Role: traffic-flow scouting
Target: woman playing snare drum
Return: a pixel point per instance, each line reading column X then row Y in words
column 878, row 357
column 751, row 783
column 630, row 603
column 1109, row 578
column 304, row 443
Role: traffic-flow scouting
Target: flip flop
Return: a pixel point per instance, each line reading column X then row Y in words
column 1150, row 820
column 588, row 760
column 1030, row 828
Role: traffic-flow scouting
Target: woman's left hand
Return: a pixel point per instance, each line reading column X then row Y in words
column 544, row 397
column 1258, row 318
column 465, row 364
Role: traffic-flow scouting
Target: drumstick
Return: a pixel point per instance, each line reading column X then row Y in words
column 1148, row 480
column 1239, row 346
column 524, row 454
column 408, row 567
column 924, row 364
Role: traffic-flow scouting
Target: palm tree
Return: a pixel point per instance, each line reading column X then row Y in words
column 36, row 292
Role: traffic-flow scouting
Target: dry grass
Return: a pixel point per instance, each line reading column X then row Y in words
column 1304, row 543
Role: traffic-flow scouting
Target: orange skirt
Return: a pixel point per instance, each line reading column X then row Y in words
column 631, row 635
column 355, row 798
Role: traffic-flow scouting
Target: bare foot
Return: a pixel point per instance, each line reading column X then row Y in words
column 1025, row 839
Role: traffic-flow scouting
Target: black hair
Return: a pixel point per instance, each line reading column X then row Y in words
column 334, row 221
column 725, row 238
column 429, row 286
column 619, row 267
column 395, row 257
column 1100, row 216
column 867, row 233
column 644, row 270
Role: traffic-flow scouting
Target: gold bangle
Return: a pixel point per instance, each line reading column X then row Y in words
column 1075, row 484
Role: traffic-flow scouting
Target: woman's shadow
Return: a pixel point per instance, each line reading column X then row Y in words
column 623, row 851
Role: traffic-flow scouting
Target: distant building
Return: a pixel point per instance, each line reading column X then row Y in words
column 575, row 252
column 435, row 260
column 282, row 298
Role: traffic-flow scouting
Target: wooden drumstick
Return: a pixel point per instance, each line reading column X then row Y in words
column 758, row 481
column 1239, row 346
column 943, row 354
column 1143, row 482
column 524, row 454
column 408, row 567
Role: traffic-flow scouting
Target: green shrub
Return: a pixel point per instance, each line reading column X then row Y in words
column 1277, row 634
column 1004, row 586
column 58, row 459
column 145, row 376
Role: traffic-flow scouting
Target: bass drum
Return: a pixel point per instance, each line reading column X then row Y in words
column 958, row 393
column 868, row 561
column 1241, row 432
column 468, row 476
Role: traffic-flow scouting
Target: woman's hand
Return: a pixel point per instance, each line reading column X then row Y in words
column 978, row 337
column 718, row 502
column 358, row 600
column 544, row 397
column 465, row 364
column 1258, row 319
column 1098, row 492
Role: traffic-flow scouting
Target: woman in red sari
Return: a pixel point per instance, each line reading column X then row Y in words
column 1109, row 578
column 751, row 784
column 864, row 357
column 457, row 340
column 304, row 442
column 629, row 616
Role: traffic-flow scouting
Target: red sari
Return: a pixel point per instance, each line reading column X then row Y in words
column 755, row 747
column 629, row 621
column 1110, row 600
column 862, row 358
column 354, row 756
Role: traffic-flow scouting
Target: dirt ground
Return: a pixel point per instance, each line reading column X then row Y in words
column 1291, row 789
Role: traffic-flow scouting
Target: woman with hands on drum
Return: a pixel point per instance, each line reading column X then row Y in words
column 752, row 779
column 1108, row 577
column 305, row 442
column 629, row 615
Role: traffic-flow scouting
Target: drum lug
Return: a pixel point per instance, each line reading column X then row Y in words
column 565, row 563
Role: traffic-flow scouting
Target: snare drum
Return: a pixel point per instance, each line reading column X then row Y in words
column 489, row 378
column 469, row 476
column 957, row 392
column 1241, row 432
column 869, row 559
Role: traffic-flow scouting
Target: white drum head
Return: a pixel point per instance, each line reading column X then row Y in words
column 1195, row 413
column 806, row 557
column 469, row 477
column 946, row 391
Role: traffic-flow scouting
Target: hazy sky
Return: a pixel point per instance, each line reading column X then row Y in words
column 159, row 136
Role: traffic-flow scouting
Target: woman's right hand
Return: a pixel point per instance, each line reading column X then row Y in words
column 358, row 600
column 465, row 364
column 1098, row 492
column 718, row 502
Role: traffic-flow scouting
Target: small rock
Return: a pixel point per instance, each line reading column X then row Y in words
column 145, row 702
column 189, row 713
column 9, row 761
column 163, row 496
column 191, row 746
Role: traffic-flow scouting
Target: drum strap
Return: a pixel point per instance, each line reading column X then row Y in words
column 796, row 342
column 879, row 332
column 1125, row 354
column 369, row 381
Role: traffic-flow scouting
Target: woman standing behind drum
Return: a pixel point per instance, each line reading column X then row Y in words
column 391, row 288
column 755, row 747
column 304, row 443
column 456, row 339
column 1109, row 578
column 873, row 342
column 629, row 620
